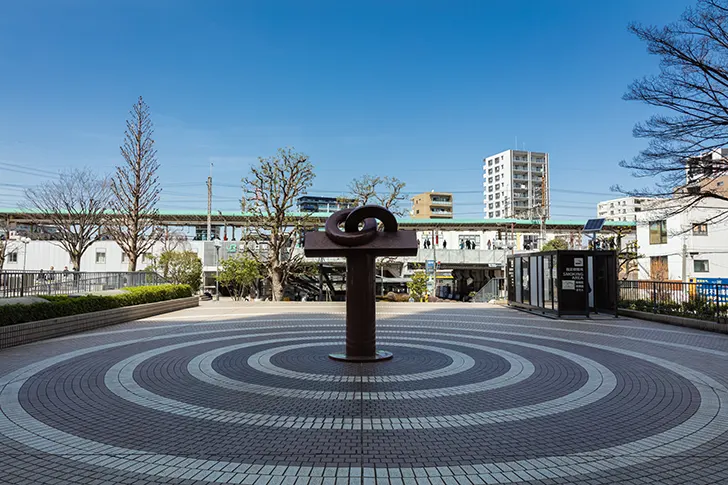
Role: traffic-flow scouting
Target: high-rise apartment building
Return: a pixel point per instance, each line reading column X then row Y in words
column 432, row 205
column 516, row 185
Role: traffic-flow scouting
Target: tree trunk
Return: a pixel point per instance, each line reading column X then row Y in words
column 132, row 263
column 276, row 284
column 75, row 262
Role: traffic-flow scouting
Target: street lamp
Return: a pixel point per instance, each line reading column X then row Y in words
column 218, row 245
column 25, row 241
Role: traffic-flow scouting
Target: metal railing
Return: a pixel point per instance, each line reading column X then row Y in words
column 492, row 290
column 15, row 284
column 705, row 301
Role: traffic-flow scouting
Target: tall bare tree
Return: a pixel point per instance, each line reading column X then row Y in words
column 75, row 206
column 384, row 191
column 269, row 195
column 691, row 92
column 135, row 188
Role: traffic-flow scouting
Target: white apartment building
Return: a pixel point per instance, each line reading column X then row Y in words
column 516, row 185
column 622, row 209
column 693, row 240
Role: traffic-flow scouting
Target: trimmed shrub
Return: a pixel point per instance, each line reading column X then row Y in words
column 64, row 306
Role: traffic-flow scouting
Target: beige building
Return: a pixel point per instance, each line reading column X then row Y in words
column 432, row 205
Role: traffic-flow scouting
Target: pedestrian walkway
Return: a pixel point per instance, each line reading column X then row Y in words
column 235, row 392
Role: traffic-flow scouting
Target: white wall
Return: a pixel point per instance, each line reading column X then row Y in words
column 712, row 247
column 44, row 254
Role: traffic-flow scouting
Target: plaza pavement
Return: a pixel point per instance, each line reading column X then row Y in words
column 245, row 393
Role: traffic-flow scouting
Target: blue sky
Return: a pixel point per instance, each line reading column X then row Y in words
column 420, row 90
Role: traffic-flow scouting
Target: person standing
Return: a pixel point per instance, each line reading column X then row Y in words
column 444, row 244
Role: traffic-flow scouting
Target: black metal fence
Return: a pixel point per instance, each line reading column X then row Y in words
column 706, row 301
column 27, row 283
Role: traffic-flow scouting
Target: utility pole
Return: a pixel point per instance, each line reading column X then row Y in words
column 542, row 236
column 434, row 257
column 209, row 205
column 684, row 259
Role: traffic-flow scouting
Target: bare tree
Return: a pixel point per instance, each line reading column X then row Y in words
column 135, row 188
column 269, row 194
column 691, row 92
column 384, row 191
column 75, row 206
column 173, row 240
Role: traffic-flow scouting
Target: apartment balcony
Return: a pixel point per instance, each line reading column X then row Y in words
column 441, row 202
column 520, row 168
column 440, row 214
column 520, row 187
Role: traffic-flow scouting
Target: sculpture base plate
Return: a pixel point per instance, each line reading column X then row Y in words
column 379, row 355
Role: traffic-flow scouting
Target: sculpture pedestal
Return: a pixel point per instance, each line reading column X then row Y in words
column 361, row 318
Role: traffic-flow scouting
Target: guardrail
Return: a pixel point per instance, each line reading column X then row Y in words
column 29, row 283
column 705, row 301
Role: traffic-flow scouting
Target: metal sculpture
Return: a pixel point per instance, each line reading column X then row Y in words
column 360, row 246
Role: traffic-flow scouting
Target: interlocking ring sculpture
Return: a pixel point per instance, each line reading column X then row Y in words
column 352, row 218
column 360, row 246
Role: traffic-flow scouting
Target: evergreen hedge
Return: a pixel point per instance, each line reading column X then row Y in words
column 63, row 306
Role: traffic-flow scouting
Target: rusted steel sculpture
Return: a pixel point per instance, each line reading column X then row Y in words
column 360, row 246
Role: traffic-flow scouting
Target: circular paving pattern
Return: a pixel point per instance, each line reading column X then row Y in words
column 472, row 395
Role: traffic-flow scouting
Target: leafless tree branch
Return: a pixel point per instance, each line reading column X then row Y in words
column 76, row 205
column 135, row 188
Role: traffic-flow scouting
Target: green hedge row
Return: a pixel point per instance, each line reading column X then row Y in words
column 63, row 306
column 698, row 307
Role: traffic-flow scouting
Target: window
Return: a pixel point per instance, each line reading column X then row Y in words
column 12, row 257
column 490, row 180
column 497, row 213
column 658, row 268
column 490, row 206
column 101, row 256
column 123, row 257
column 490, row 162
column 490, row 197
column 700, row 265
column 490, row 188
column 497, row 169
column 418, row 211
column 490, row 171
column 700, row 229
column 497, row 195
column 497, row 186
column 658, row 232
column 497, row 205
column 497, row 178
column 720, row 184
column 490, row 214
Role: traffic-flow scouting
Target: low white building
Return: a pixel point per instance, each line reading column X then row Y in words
column 683, row 245
column 623, row 209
